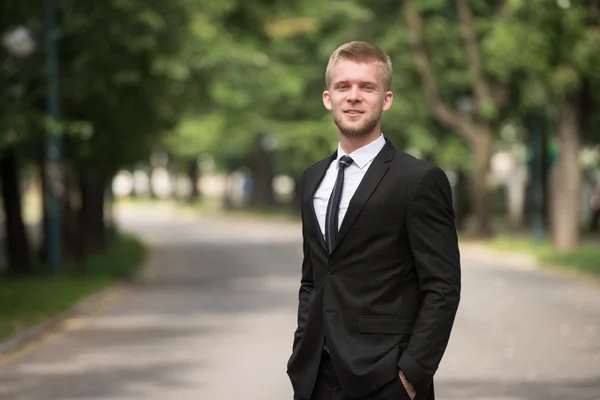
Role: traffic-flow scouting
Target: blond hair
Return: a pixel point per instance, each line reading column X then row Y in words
column 361, row 52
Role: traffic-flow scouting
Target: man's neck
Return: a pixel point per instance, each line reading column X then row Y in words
column 351, row 144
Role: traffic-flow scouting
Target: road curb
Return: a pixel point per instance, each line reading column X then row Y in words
column 85, row 307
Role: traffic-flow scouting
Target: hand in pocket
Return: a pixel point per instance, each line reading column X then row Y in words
column 407, row 386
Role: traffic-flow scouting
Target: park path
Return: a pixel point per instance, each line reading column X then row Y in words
column 214, row 316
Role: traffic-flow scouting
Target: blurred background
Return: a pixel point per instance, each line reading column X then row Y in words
column 112, row 111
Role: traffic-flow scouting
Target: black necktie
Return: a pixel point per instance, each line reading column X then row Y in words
column 333, row 207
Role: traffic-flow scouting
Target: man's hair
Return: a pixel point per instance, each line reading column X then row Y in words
column 361, row 52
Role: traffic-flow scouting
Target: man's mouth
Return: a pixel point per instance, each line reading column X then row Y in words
column 353, row 112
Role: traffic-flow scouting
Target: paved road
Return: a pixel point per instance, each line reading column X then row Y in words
column 215, row 322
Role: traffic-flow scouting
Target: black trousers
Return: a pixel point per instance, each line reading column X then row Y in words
column 328, row 387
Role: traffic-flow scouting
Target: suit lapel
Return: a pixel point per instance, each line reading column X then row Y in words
column 369, row 183
column 312, row 186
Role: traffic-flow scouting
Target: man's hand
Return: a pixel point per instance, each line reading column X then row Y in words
column 409, row 389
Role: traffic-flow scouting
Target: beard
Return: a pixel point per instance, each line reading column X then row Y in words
column 355, row 130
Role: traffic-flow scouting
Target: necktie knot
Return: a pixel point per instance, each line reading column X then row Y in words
column 345, row 161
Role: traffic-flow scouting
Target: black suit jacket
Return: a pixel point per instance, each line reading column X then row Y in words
column 386, row 297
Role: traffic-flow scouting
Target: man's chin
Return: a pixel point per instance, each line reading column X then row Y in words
column 354, row 131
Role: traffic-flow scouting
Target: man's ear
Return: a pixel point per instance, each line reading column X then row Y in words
column 387, row 100
column 327, row 100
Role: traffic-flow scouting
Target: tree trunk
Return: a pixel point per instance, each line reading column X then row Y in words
column 72, row 247
column 297, row 197
column 482, row 152
column 567, row 182
column 93, row 229
column 42, row 250
column 595, row 221
column 193, row 175
column 262, row 177
column 16, row 240
column 109, row 211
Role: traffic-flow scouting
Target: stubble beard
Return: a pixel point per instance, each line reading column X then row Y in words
column 356, row 131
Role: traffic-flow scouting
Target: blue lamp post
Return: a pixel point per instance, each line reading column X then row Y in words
column 537, row 152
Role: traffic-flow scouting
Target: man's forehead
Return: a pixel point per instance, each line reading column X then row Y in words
column 351, row 69
column 354, row 66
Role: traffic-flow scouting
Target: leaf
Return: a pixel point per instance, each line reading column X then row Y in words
column 565, row 79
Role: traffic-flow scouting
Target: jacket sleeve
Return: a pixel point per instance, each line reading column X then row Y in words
column 434, row 245
column 306, row 282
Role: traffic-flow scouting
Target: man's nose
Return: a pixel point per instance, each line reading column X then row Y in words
column 354, row 94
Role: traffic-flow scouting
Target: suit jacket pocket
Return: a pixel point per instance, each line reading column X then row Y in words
column 386, row 325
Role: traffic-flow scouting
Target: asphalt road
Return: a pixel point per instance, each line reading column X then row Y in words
column 215, row 317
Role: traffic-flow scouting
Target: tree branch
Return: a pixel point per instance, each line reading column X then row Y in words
column 502, row 12
column 501, row 91
column 480, row 86
column 594, row 18
column 441, row 110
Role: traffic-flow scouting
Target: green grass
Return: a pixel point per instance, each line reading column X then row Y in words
column 29, row 300
column 585, row 259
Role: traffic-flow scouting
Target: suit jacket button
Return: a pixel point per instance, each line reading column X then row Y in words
column 330, row 270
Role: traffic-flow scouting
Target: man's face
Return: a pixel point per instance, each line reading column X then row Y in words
column 356, row 97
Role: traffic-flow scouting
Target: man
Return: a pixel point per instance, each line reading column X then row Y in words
column 381, row 274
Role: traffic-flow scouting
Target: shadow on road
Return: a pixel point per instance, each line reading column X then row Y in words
column 110, row 362
column 238, row 279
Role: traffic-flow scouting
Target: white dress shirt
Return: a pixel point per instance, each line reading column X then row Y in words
column 353, row 175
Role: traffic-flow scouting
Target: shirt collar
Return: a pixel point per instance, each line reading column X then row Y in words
column 363, row 155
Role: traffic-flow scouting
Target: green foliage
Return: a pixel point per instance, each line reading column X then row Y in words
column 552, row 48
column 195, row 135
column 201, row 77
column 454, row 154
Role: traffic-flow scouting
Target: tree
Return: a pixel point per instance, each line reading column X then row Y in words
column 18, row 70
column 490, row 92
column 557, row 67
column 125, row 56
column 120, row 86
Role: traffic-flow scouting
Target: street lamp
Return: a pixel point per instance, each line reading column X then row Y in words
column 18, row 42
column 19, row 45
column 537, row 176
column 536, row 126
